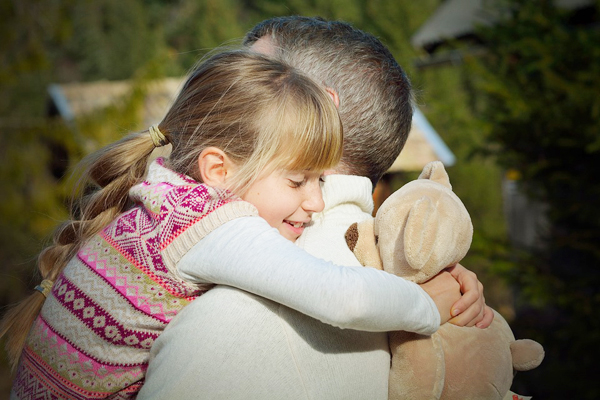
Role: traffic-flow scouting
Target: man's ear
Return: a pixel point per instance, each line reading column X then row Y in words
column 215, row 167
column 334, row 96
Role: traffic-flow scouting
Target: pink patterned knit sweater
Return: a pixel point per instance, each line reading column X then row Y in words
column 93, row 336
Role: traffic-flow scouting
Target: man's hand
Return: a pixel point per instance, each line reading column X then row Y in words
column 470, row 310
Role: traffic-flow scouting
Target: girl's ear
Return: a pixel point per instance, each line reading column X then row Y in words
column 215, row 167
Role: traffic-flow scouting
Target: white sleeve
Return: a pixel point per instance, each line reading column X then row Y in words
column 248, row 254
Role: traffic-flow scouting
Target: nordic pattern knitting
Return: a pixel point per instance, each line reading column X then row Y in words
column 93, row 335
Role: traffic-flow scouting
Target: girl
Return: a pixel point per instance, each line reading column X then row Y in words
column 258, row 135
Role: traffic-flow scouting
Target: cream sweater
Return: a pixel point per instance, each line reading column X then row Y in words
column 231, row 344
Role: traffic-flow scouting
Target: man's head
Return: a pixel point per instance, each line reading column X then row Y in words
column 375, row 100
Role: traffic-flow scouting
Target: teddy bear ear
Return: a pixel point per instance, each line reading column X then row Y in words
column 436, row 172
column 420, row 232
column 361, row 240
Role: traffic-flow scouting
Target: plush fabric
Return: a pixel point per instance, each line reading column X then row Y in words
column 93, row 336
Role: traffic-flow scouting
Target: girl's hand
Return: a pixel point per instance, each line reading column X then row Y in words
column 471, row 309
column 468, row 309
column 444, row 289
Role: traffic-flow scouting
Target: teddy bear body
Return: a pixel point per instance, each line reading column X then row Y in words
column 452, row 363
column 421, row 229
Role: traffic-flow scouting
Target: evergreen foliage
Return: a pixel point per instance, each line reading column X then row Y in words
column 540, row 95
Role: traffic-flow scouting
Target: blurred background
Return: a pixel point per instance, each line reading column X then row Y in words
column 508, row 93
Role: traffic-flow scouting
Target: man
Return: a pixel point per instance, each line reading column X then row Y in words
column 229, row 344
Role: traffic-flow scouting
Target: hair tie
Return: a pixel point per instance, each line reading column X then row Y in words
column 45, row 287
column 157, row 136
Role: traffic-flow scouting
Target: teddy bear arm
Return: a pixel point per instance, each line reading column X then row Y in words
column 527, row 354
column 418, row 367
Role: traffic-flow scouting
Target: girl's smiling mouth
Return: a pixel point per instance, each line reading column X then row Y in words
column 296, row 225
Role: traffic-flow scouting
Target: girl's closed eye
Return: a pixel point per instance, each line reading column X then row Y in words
column 297, row 184
column 297, row 180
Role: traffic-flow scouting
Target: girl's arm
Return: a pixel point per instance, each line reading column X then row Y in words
column 248, row 254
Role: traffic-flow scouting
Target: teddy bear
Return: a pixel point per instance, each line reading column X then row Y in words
column 421, row 229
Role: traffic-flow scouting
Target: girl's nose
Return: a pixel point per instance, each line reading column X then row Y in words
column 313, row 201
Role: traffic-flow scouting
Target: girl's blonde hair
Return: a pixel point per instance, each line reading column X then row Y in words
column 262, row 113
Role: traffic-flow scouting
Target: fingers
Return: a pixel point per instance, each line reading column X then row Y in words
column 471, row 309
column 467, row 279
column 470, row 287
column 488, row 318
column 472, row 315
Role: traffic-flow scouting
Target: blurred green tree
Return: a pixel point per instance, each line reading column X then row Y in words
column 540, row 96
column 193, row 28
column 111, row 38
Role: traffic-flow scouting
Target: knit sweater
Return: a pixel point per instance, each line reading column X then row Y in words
column 115, row 297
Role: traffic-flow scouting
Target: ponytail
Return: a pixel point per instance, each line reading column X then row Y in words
column 109, row 175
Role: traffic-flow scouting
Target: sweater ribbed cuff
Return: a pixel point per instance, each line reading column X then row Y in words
column 184, row 242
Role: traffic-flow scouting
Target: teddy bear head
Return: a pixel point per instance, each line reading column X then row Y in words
column 422, row 228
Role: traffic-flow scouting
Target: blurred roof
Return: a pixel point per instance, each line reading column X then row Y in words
column 73, row 100
column 456, row 19
column 452, row 19
column 422, row 146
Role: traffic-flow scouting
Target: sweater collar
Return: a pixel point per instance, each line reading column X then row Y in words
column 353, row 189
column 165, row 185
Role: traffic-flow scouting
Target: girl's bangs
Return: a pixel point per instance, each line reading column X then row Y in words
column 310, row 139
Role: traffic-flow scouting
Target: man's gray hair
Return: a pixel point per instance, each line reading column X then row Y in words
column 374, row 92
